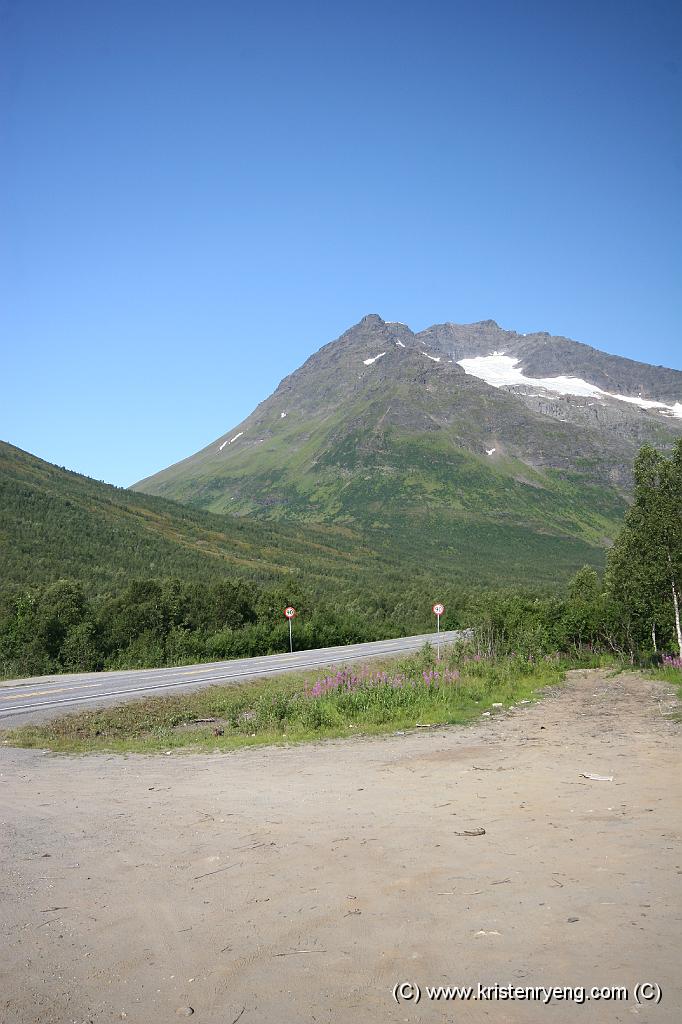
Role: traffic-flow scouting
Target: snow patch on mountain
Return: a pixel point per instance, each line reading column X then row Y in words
column 221, row 446
column 373, row 359
column 501, row 371
column 436, row 359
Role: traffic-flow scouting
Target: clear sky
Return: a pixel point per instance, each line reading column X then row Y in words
column 195, row 196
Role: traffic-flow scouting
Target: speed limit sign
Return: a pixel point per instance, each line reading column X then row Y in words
column 290, row 611
column 438, row 610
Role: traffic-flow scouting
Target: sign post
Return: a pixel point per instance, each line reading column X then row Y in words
column 438, row 610
column 289, row 611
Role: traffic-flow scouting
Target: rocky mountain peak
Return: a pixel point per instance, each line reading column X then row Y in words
column 459, row 430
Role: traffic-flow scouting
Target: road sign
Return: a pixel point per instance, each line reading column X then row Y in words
column 290, row 611
column 438, row 610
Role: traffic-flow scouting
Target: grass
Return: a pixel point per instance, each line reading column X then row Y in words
column 672, row 674
column 385, row 696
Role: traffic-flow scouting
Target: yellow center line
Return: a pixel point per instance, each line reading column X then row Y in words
column 46, row 693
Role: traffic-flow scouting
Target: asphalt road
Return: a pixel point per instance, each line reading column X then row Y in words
column 41, row 697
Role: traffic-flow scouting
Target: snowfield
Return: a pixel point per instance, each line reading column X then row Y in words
column 501, row 371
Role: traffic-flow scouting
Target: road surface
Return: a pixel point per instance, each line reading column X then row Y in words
column 32, row 700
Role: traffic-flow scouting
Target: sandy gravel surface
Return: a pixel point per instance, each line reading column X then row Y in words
column 294, row 885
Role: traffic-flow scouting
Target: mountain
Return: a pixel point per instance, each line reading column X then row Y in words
column 55, row 524
column 470, row 449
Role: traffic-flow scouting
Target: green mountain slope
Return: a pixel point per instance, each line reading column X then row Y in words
column 57, row 524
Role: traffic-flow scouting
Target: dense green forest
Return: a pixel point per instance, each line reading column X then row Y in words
column 56, row 524
column 159, row 619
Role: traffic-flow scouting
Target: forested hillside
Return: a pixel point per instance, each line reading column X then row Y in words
column 55, row 524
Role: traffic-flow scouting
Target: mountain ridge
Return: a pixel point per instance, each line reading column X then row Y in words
column 538, row 350
column 451, row 342
column 386, row 431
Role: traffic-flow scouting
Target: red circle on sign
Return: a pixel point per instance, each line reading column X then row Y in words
column 438, row 609
column 290, row 612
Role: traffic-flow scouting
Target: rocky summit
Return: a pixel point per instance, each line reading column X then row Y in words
column 465, row 446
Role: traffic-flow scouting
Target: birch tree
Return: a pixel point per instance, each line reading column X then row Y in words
column 644, row 572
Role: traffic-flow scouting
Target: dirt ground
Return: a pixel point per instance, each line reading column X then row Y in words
column 301, row 884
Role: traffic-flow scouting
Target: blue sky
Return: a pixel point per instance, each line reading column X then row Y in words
column 195, row 196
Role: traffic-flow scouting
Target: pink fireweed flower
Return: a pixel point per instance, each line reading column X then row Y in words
column 345, row 681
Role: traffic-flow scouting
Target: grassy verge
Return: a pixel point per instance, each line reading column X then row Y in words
column 381, row 697
column 672, row 674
